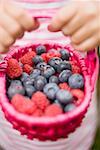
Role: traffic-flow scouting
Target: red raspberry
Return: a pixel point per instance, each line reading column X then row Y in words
column 27, row 58
column 23, row 104
column 27, row 68
column 44, row 56
column 78, row 95
column 53, row 53
column 64, row 86
column 40, row 100
column 14, row 70
column 75, row 67
column 38, row 113
column 53, row 110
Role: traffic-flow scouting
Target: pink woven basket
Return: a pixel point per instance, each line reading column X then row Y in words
column 49, row 128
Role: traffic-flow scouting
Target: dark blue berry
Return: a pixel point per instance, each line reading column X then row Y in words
column 15, row 89
column 40, row 49
column 28, row 81
column 50, row 90
column 69, row 107
column 54, row 62
column 24, row 76
column 30, row 90
column 64, row 75
column 57, row 102
column 41, row 65
column 63, row 66
column 40, row 82
column 64, row 96
column 65, row 55
column 48, row 71
column 35, row 73
column 54, row 79
column 37, row 59
column 16, row 82
column 21, row 64
column 76, row 81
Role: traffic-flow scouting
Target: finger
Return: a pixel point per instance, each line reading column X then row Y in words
column 3, row 49
column 5, row 38
column 87, row 44
column 62, row 17
column 12, row 27
column 27, row 22
column 84, row 33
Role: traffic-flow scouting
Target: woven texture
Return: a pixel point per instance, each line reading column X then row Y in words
column 48, row 128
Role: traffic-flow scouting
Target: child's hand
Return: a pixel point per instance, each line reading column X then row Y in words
column 13, row 23
column 81, row 21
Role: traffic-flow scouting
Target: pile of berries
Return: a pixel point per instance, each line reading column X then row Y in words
column 44, row 83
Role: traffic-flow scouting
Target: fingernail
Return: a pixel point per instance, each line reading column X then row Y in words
column 52, row 29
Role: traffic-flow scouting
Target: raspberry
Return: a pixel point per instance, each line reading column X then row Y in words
column 52, row 53
column 38, row 113
column 23, row 104
column 40, row 100
column 27, row 68
column 27, row 58
column 53, row 110
column 78, row 95
column 44, row 56
column 14, row 70
column 64, row 86
column 75, row 67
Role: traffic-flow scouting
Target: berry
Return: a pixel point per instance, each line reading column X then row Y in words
column 69, row 107
column 54, row 79
column 41, row 66
column 44, row 57
column 64, row 75
column 24, row 76
column 64, row 54
column 16, row 82
column 15, row 89
column 14, row 70
column 37, row 59
column 40, row 100
column 29, row 90
column 28, row 81
column 37, row 113
column 64, row 86
column 50, row 90
column 40, row 49
column 53, row 110
column 27, row 68
column 76, row 81
column 64, row 96
column 40, row 82
column 75, row 67
column 54, row 62
column 48, row 71
column 23, row 104
column 63, row 66
column 52, row 53
column 27, row 58
column 35, row 73
column 57, row 102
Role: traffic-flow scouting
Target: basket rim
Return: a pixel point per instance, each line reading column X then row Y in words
column 46, row 120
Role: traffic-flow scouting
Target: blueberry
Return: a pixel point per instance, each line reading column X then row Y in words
column 37, row 59
column 54, row 79
column 57, row 102
column 64, row 75
column 76, row 81
column 40, row 82
column 40, row 49
column 30, row 90
column 63, row 66
column 48, row 71
column 16, row 82
column 64, row 54
column 15, row 89
column 50, row 90
column 69, row 107
column 28, row 81
column 54, row 62
column 64, row 96
column 35, row 73
column 21, row 64
column 41, row 65
column 24, row 76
